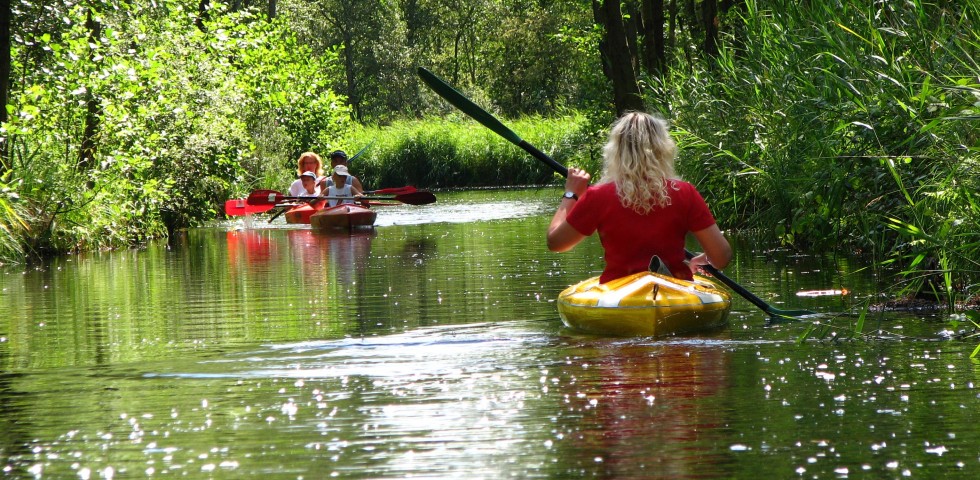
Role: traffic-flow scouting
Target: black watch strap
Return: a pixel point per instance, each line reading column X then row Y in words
column 570, row 195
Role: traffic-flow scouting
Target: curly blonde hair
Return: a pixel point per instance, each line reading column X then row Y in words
column 319, row 163
column 639, row 159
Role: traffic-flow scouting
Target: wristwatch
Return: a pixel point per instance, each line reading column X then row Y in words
column 570, row 195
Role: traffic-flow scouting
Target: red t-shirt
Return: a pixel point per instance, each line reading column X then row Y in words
column 630, row 239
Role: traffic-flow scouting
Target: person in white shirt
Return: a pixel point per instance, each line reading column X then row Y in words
column 310, row 186
column 308, row 162
column 341, row 184
column 339, row 157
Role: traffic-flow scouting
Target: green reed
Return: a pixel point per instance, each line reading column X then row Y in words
column 846, row 125
column 458, row 152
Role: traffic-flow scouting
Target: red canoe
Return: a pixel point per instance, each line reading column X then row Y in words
column 343, row 217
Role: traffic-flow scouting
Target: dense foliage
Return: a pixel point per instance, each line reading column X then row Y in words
column 130, row 123
column 845, row 126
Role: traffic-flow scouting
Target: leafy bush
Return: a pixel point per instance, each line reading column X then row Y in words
column 847, row 124
column 131, row 124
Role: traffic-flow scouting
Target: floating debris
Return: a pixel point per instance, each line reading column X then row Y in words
column 822, row 293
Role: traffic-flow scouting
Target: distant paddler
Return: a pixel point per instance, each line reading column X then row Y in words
column 340, row 186
column 307, row 162
column 339, row 158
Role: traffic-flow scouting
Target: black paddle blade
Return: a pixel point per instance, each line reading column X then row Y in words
column 392, row 191
column 752, row 298
column 459, row 101
column 453, row 96
column 420, row 197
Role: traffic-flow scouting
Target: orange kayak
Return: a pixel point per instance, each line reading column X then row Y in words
column 343, row 217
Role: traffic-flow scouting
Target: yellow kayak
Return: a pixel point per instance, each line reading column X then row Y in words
column 644, row 304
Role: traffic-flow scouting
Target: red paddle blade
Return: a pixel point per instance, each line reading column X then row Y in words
column 239, row 206
column 265, row 197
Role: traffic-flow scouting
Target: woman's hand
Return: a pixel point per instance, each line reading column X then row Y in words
column 577, row 181
column 695, row 263
column 715, row 245
column 562, row 236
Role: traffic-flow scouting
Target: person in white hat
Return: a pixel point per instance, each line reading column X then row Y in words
column 338, row 158
column 347, row 189
column 310, row 187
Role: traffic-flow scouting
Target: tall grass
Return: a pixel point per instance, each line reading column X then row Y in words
column 458, row 152
column 846, row 124
column 12, row 228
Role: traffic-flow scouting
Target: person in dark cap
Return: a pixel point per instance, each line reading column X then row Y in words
column 339, row 157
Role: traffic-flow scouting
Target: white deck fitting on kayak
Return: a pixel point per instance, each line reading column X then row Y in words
column 705, row 297
column 612, row 299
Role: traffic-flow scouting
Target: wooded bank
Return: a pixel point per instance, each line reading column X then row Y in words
column 839, row 125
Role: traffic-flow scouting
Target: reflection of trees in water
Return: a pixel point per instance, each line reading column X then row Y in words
column 641, row 408
column 417, row 249
column 417, row 300
column 17, row 429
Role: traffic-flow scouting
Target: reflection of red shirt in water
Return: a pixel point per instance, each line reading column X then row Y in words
column 630, row 239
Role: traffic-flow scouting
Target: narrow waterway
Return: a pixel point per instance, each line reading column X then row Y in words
column 431, row 347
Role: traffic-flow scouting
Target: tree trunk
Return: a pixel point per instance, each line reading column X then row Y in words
column 632, row 24
column 4, row 75
column 709, row 19
column 93, row 111
column 349, row 66
column 654, row 48
column 202, row 15
column 617, row 63
column 272, row 9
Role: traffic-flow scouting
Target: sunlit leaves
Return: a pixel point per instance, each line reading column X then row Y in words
column 175, row 106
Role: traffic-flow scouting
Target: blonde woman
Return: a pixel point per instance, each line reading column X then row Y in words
column 308, row 162
column 640, row 207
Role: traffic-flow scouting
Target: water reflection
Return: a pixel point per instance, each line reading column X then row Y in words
column 638, row 409
column 432, row 348
column 348, row 253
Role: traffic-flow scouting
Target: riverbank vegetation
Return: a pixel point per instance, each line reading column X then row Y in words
column 842, row 126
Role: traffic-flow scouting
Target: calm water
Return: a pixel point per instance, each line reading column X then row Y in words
column 432, row 348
